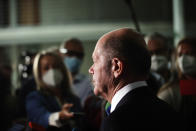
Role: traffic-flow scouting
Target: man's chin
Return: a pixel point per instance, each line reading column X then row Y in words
column 96, row 92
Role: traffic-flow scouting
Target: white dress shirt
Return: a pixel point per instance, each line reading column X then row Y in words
column 123, row 91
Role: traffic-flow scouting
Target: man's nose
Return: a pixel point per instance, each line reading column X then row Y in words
column 90, row 70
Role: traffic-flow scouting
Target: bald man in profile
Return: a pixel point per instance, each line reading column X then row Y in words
column 121, row 64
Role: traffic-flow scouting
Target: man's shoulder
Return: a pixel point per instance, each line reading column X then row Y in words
column 142, row 116
column 142, row 101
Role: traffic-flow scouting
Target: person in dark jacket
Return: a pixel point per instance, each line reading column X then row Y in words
column 53, row 103
column 121, row 64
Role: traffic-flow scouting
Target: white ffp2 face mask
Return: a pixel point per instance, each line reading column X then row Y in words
column 158, row 62
column 52, row 77
column 187, row 64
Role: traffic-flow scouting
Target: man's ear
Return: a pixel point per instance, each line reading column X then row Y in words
column 117, row 67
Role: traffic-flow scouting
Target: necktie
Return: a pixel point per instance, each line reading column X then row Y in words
column 107, row 108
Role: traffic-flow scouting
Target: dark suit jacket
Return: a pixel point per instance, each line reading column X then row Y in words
column 140, row 109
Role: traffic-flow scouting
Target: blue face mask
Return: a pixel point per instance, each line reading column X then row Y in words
column 73, row 64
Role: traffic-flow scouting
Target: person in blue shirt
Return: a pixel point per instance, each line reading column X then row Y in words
column 53, row 103
column 72, row 52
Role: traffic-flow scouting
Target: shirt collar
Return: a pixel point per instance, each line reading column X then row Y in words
column 123, row 91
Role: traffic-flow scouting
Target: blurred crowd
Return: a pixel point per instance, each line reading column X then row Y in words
column 54, row 95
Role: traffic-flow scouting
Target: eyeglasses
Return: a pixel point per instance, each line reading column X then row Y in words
column 72, row 53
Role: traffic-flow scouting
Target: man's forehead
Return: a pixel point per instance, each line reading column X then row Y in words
column 98, row 50
column 94, row 55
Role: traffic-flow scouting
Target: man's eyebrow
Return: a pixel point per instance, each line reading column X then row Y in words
column 93, row 56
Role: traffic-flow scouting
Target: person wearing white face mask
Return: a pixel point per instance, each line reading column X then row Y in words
column 180, row 93
column 160, row 60
column 53, row 77
column 52, row 105
column 187, row 64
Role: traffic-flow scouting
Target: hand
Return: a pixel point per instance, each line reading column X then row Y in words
column 64, row 114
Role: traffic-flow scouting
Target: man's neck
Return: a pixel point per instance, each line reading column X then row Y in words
column 125, row 90
column 116, row 89
column 120, row 85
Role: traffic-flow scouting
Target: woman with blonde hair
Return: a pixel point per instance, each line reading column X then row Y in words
column 180, row 93
column 53, row 103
